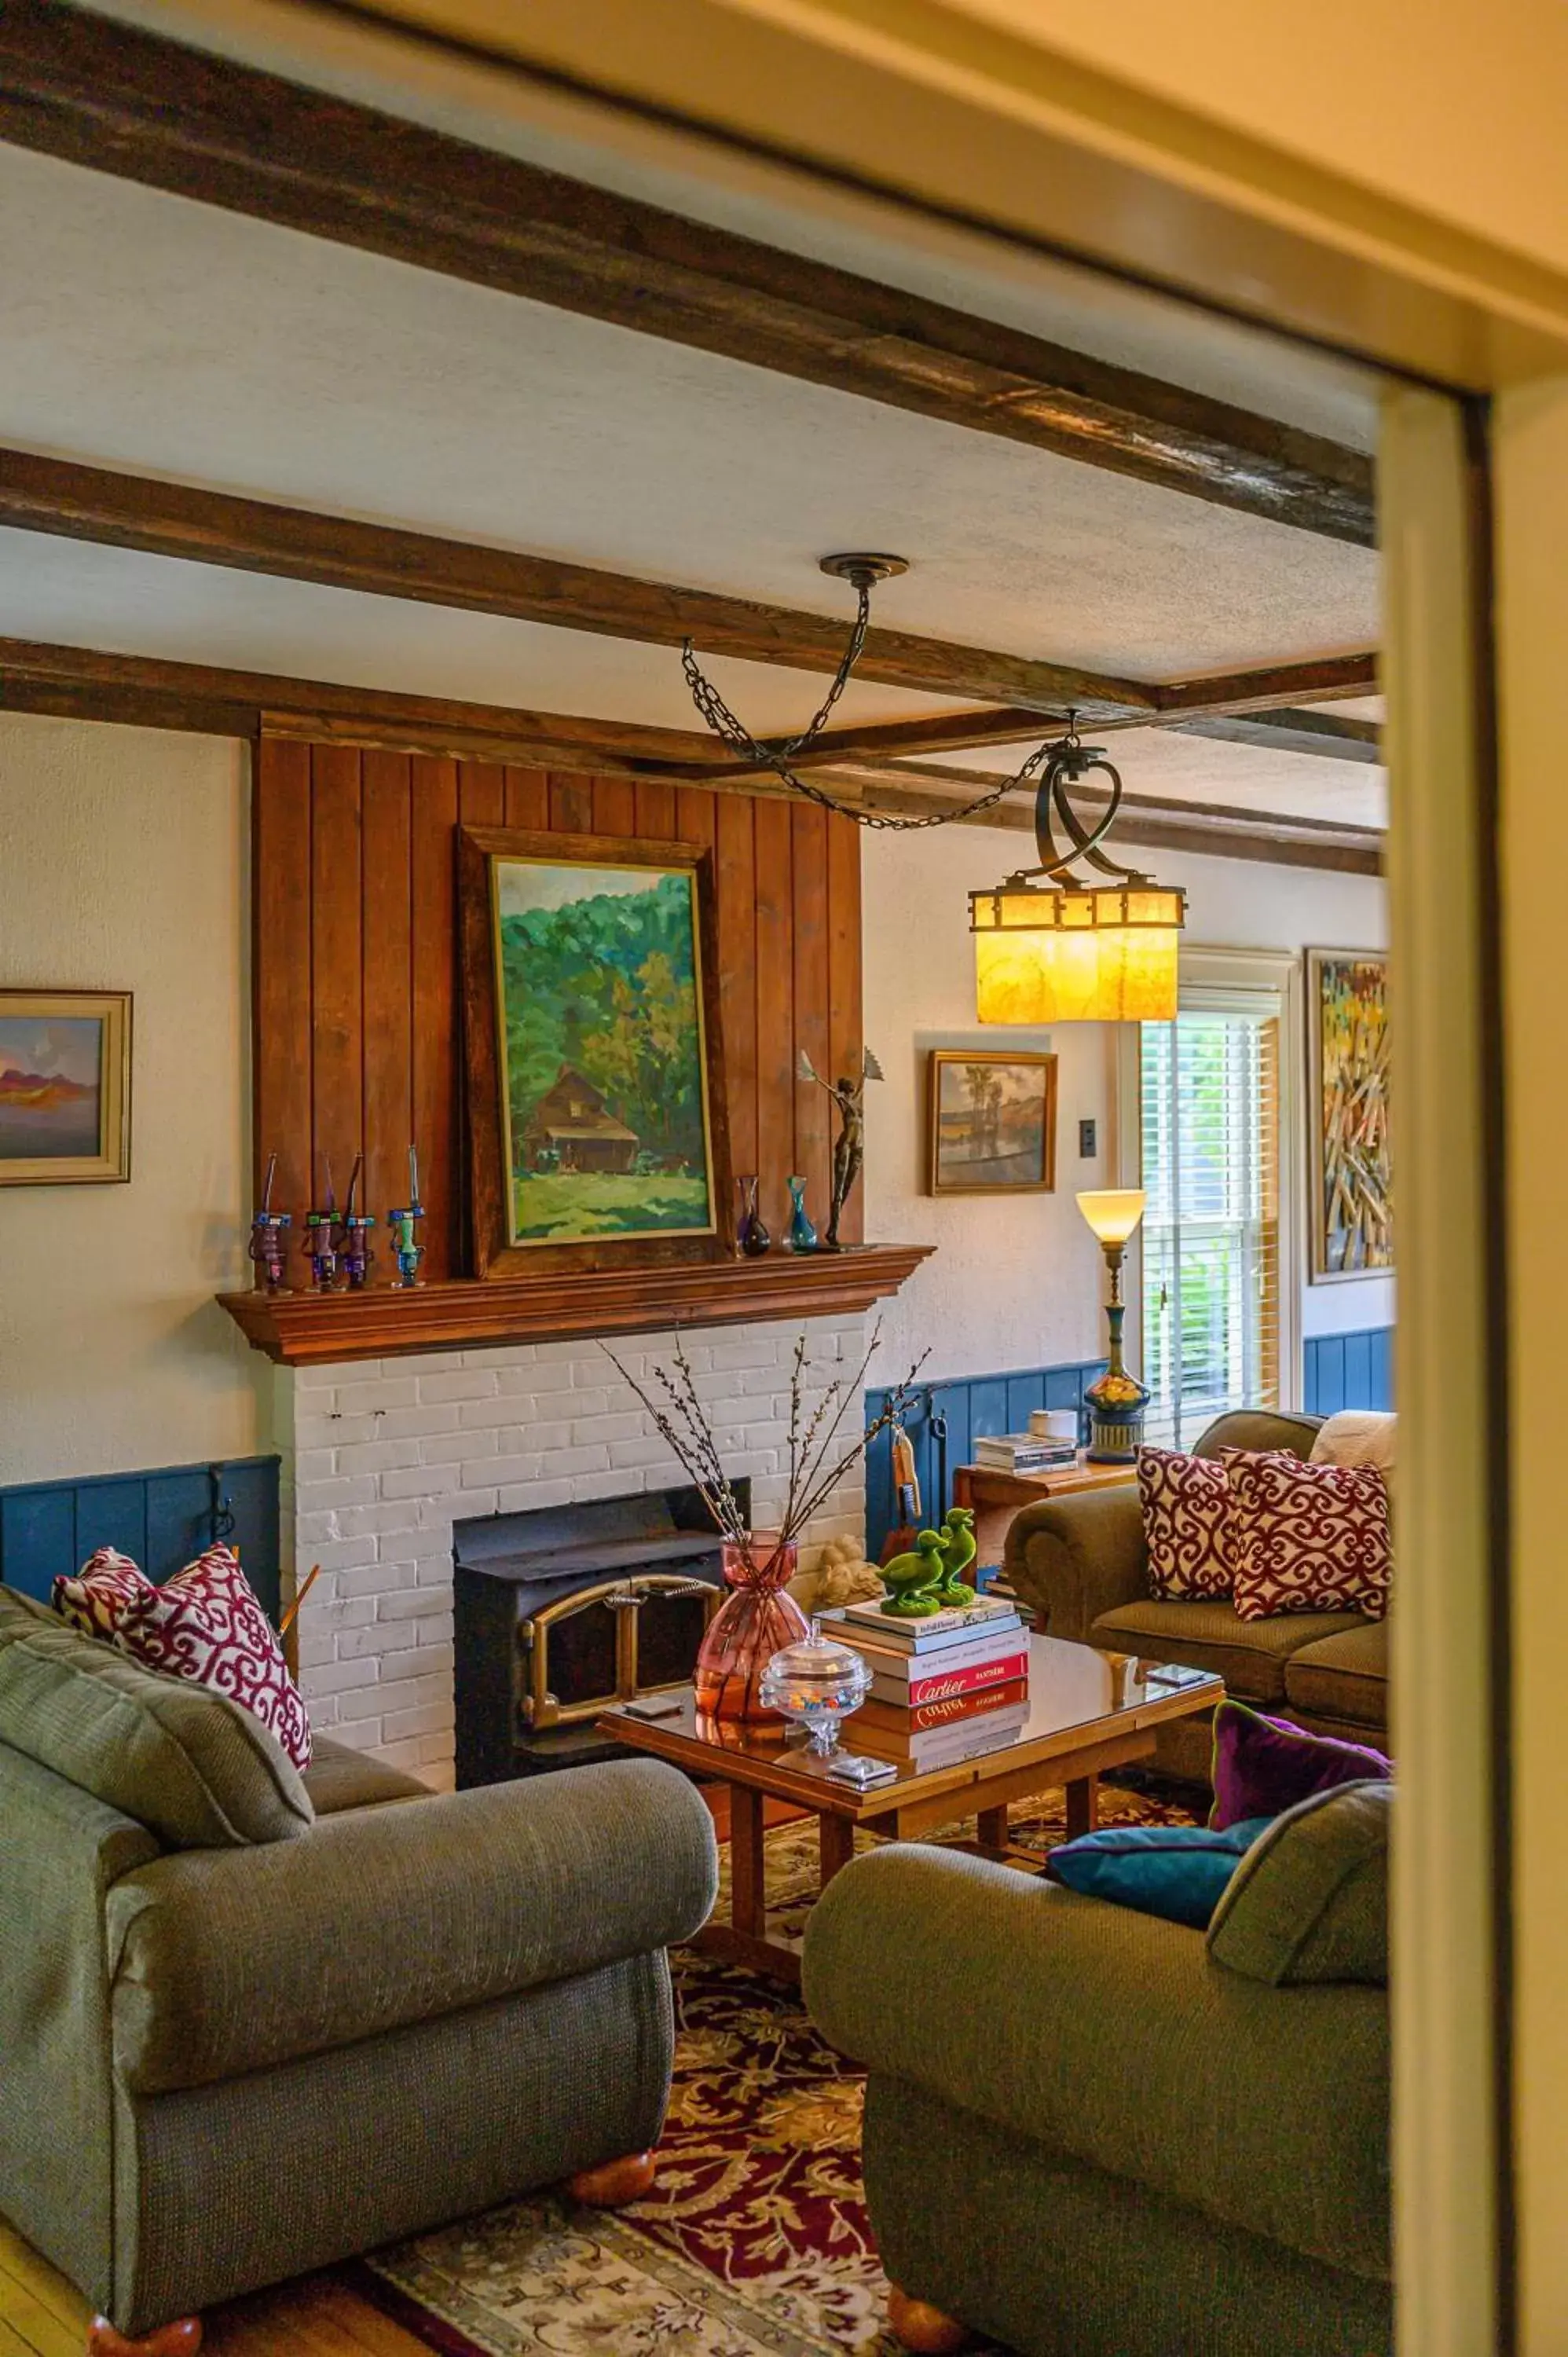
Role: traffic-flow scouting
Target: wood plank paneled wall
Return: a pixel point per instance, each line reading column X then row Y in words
column 355, row 995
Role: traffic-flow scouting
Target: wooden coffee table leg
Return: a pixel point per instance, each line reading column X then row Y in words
column 1082, row 1806
column 835, row 1844
column 991, row 1829
column 748, row 1903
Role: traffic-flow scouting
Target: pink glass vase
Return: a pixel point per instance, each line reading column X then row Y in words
column 755, row 1622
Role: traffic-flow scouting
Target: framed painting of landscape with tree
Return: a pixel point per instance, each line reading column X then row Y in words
column 594, row 1092
column 993, row 1122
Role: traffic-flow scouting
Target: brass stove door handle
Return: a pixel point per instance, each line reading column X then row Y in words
column 629, row 1600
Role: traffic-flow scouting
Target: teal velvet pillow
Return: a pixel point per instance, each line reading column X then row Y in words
column 1177, row 1871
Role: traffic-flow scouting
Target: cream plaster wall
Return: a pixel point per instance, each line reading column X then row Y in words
column 122, row 857
column 1018, row 1284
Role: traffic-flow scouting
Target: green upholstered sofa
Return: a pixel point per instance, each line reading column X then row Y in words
column 1093, row 2134
column 250, row 2022
column 1081, row 1561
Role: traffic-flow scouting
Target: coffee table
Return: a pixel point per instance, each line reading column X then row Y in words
column 1088, row 1711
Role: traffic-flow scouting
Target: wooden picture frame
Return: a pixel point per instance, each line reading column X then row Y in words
column 1349, row 1228
column 1023, row 1156
column 553, row 1157
column 65, row 1088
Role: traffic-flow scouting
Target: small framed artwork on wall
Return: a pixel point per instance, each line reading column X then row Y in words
column 1351, row 1220
column 991, row 1123
column 65, row 1087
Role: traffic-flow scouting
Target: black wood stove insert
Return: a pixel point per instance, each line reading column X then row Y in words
column 565, row 1610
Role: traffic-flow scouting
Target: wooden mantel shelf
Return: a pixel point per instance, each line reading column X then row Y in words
column 302, row 1329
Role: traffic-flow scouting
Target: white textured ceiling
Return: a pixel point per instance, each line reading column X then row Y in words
column 765, row 198
column 145, row 332
column 1183, row 768
column 141, row 331
column 72, row 593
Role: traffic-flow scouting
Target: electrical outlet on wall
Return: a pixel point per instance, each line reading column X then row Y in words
column 1087, row 1143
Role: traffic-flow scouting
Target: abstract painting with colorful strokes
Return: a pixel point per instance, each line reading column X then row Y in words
column 604, row 1075
column 1352, row 1216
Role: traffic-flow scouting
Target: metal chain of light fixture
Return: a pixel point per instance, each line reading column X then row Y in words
column 863, row 573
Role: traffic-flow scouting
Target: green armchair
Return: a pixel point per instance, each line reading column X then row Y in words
column 254, row 2023
column 1112, row 2143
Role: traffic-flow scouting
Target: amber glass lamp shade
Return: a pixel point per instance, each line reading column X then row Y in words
column 1113, row 1212
column 1076, row 954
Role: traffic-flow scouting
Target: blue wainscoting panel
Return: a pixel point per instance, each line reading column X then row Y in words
column 160, row 1519
column 974, row 1406
column 1349, row 1370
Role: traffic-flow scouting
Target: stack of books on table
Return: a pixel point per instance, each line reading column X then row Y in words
column 943, row 1688
column 1023, row 1452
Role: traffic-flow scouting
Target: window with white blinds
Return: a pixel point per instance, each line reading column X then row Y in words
column 1209, row 1108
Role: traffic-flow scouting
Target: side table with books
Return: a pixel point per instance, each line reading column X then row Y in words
column 995, row 1494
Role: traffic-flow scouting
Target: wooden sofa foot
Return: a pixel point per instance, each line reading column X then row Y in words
column 180, row 2339
column 615, row 2182
column 922, row 2328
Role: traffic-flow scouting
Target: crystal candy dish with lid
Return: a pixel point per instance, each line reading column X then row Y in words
column 816, row 1683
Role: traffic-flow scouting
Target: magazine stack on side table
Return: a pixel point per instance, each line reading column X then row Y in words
column 994, row 1497
column 1023, row 1452
column 943, row 1688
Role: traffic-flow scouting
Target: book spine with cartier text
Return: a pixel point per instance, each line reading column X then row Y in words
column 937, row 1685
column 953, row 1710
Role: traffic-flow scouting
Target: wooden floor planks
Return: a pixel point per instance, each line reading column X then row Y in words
column 41, row 2316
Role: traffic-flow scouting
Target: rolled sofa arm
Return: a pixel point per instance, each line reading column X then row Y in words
column 1075, row 1557
column 1109, row 2036
column 223, row 1960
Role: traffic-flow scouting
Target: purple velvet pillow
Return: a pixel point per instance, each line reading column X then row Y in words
column 1265, row 1766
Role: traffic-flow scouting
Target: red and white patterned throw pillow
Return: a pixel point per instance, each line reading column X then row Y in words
column 1186, row 1503
column 108, row 1586
column 206, row 1623
column 1308, row 1538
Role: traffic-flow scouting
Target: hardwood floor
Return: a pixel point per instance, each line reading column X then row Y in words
column 41, row 2316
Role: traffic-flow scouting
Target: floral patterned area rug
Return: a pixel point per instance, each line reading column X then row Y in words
column 754, row 2242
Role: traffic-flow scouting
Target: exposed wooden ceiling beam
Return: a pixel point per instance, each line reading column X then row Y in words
column 143, row 690
column 1332, row 735
column 139, row 691
column 164, row 519
column 98, row 504
column 945, row 732
column 1183, row 705
column 1214, row 828
column 81, row 683
column 1325, row 680
column 109, row 96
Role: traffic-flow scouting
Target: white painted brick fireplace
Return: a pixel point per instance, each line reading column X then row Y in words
column 381, row 1458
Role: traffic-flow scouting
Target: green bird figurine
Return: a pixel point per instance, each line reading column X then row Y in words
column 915, row 1579
column 958, row 1552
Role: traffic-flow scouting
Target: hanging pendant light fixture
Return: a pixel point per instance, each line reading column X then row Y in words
column 1052, row 946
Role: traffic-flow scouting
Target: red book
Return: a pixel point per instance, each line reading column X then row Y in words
column 941, row 1686
column 956, row 1711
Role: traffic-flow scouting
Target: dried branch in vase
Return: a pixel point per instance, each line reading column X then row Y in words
column 821, row 1455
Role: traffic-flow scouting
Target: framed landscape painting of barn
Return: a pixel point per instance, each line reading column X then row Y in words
column 1351, row 1215
column 595, row 1087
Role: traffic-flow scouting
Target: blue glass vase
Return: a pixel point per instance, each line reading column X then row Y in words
column 802, row 1235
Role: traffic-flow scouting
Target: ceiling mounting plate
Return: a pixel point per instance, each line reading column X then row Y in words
column 862, row 568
